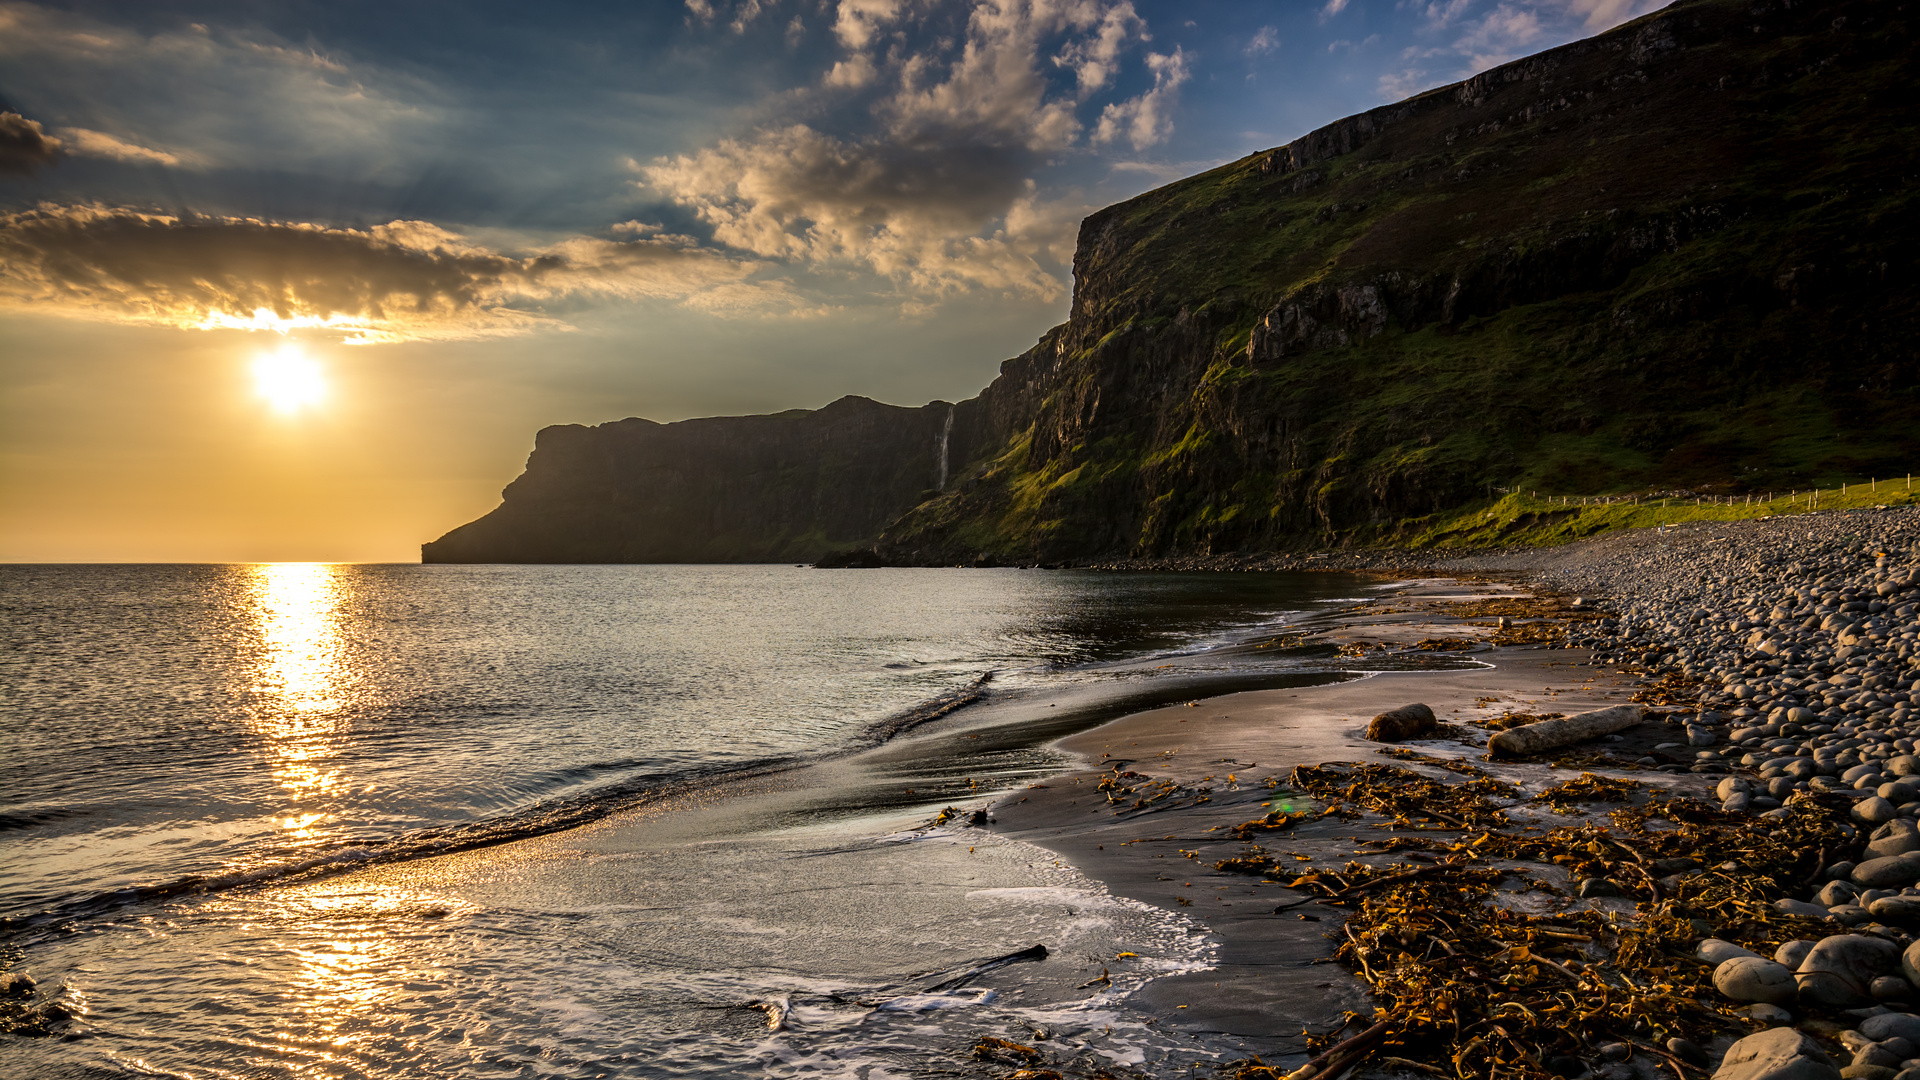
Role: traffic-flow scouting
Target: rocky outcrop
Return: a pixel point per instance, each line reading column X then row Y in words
column 784, row 487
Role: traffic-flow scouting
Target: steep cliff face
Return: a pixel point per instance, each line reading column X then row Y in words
column 784, row 487
column 1679, row 253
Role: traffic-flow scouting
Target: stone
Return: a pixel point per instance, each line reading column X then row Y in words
column 1405, row 722
column 1893, row 838
column 1788, row 906
column 1731, row 786
column 1892, row 1025
column 1897, row 871
column 1890, row 988
column 1766, row 1014
column 1875, row 1054
column 1793, row 952
column 1755, row 978
column 1867, row 1072
column 1595, row 886
column 1904, row 765
column 1897, row 909
column 1716, row 951
column 1874, row 810
column 1839, row 971
column 1688, row 1051
column 1737, row 804
column 1778, row 1054
column 1836, row 892
column 1910, row 967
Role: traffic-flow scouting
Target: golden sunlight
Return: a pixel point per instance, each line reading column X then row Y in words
column 299, row 681
column 288, row 379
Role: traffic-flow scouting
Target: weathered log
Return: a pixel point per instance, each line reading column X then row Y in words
column 1405, row 722
column 1552, row 734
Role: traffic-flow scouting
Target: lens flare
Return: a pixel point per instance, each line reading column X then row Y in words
column 289, row 380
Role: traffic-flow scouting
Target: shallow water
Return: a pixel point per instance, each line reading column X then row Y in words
column 655, row 794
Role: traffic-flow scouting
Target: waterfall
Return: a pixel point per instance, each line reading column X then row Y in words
column 946, row 429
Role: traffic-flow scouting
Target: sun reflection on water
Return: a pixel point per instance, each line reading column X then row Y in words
column 299, row 684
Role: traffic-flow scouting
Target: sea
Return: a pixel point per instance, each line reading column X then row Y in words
column 314, row 820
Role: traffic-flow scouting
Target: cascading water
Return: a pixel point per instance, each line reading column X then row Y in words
column 946, row 430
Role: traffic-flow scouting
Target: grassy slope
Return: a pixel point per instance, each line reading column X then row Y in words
column 1708, row 365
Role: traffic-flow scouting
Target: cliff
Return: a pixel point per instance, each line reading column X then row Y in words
column 779, row 488
column 1678, row 254
column 1681, row 253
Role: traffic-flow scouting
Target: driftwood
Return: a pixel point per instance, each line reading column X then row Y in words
column 1553, row 734
column 1405, row 722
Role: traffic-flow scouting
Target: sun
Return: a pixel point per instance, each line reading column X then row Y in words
column 289, row 380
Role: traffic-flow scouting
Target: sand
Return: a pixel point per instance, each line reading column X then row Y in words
column 1274, row 980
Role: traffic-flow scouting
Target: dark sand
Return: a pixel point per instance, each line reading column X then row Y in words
column 1274, row 979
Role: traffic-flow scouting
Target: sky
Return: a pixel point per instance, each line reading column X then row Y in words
column 287, row 280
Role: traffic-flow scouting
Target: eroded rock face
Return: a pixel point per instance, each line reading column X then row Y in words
column 785, row 487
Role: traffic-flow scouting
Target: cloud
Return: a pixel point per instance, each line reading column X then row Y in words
column 1501, row 35
column 24, row 146
column 218, row 97
column 929, row 182
column 1605, row 14
column 399, row 281
column 100, row 144
column 1147, row 119
column 1263, row 41
column 1332, row 8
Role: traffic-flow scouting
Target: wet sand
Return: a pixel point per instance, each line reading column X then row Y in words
column 1274, row 978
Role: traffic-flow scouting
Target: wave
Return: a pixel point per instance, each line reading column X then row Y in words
column 539, row 819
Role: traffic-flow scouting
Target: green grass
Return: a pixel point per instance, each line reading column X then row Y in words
column 1528, row 520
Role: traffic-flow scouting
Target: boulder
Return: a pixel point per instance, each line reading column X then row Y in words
column 1754, row 978
column 1839, row 971
column 1874, row 810
column 1777, row 1054
column 1552, row 734
column 1904, row 765
column 1405, row 722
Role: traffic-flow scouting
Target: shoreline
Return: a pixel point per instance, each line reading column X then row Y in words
column 1740, row 683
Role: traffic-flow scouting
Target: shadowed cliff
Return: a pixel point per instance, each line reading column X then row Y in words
column 1678, row 254
column 778, row 488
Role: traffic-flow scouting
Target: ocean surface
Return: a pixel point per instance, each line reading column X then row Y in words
column 382, row 821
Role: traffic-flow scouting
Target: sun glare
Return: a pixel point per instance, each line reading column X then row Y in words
column 289, row 380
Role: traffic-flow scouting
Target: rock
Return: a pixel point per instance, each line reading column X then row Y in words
column 1754, row 978
column 1595, row 886
column 1836, row 892
column 1839, row 971
column 1904, row 765
column 1716, row 951
column 1874, row 810
column 1731, row 786
column 1890, row 988
column 1897, row 871
column 1779, row 1054
column 1737, row 804
column 1793, row 952
column 1405, row 722
column 1801, row 907
column 1867, row 1072
column 1687, row 1051
column 1893, row 838
column 1910, row 967
column 1892, row 1025
column 1766, row 1014
column 1615, row 1051
column 16, row 984
column 1550, row 734
column 1898, row 909
column 1875, row 1054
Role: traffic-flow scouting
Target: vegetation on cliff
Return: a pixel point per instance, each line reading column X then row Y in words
column 1677, row 255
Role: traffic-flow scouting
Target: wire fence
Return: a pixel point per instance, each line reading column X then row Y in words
column 1847, row 493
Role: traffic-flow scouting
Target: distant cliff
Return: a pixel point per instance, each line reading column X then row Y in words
column 789, row 486
column 1681, row 253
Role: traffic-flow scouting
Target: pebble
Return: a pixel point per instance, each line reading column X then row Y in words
column 1715, row 951
column 1839, row 971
